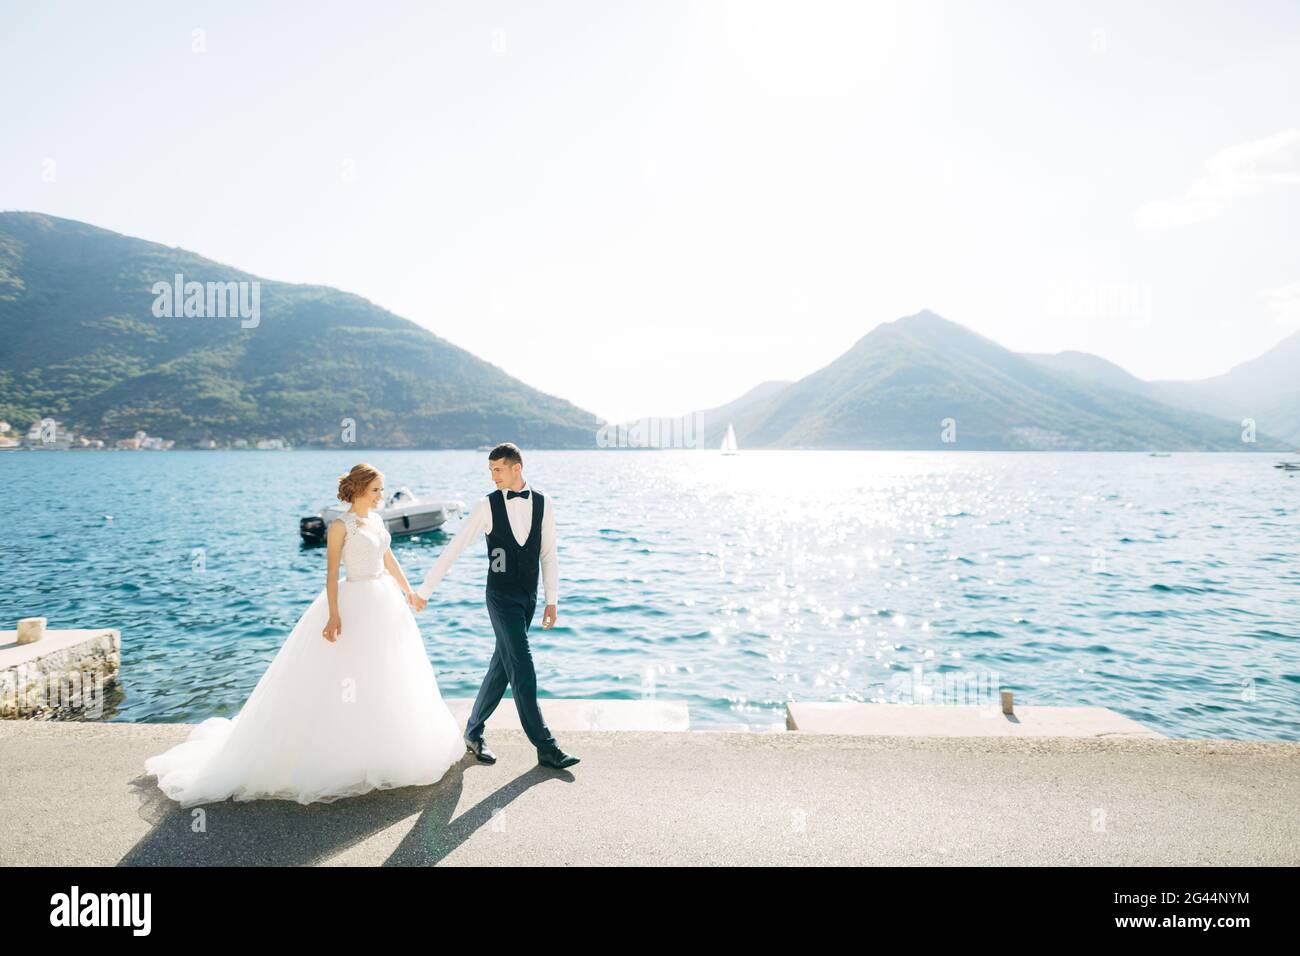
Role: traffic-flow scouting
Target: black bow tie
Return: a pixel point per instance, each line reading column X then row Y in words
column 517, row 494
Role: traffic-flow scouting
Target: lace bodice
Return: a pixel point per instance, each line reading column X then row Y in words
column 364, row 546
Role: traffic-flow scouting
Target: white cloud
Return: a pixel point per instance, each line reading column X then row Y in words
column 1283, row 303
column 1237, row 172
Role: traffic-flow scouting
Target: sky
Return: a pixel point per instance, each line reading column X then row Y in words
column 649, row 206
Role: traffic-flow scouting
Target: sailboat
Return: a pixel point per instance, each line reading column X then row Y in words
column 729, row 441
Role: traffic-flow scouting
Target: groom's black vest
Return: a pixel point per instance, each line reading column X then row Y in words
column 512, row 567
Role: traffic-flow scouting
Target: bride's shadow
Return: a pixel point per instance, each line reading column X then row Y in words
column 286, row 833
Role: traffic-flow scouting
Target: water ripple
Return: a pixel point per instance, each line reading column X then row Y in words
column 735, row 584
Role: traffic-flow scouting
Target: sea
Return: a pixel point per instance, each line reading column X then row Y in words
column 1164, row 588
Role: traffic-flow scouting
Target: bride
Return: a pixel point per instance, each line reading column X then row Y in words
column 349, row 704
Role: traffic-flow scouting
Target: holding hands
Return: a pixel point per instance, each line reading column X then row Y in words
column 417, row 603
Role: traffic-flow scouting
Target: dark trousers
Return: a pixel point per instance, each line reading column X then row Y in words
column 512, row 663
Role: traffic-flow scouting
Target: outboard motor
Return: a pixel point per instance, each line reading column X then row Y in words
column 312, row 529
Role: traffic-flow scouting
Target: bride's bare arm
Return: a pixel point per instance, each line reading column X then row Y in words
column 395, row 569
column 334, row 551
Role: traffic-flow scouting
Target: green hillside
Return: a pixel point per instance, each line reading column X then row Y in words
column 81, row 343
column 898, row 383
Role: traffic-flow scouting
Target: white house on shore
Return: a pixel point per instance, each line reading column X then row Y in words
column 48, row 434
column 143, row 442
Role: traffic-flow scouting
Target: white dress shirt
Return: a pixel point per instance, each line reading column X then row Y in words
column 479, row 521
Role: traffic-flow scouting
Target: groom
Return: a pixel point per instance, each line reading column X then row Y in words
column 520, row 528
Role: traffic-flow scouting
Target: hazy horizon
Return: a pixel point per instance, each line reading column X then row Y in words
column 726, row 193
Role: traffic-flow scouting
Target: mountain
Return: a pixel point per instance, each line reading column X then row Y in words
column 703, row 428
column 86, row 340
column 713, row 421
column 1266, row 388
column 82, row 343
column 1092, row 368
column 900, row 382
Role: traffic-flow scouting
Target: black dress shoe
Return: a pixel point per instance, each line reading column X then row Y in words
column 557, row 759
column 480, row 750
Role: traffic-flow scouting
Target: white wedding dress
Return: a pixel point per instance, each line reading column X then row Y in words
column 329, row 720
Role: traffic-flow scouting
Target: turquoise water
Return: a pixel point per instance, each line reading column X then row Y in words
column 1167, row 589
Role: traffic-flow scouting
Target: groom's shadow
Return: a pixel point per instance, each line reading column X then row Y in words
column 287, row 833
column 435, row 834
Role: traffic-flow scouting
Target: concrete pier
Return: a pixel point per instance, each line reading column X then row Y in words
column 64, row 672
column 959, row 720
column 573, row 714
column 75, row 793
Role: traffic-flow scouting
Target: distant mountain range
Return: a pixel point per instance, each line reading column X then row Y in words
column 1265, row 389
column 911, row 383
column 87, row 337
column 80, row 342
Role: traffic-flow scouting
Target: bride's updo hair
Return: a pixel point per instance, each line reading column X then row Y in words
column 356, row 480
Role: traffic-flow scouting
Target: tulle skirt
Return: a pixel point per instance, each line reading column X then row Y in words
column 326, row 720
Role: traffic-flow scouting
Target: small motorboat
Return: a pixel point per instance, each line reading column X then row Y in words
column 1288, row 465
column 404, row 512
